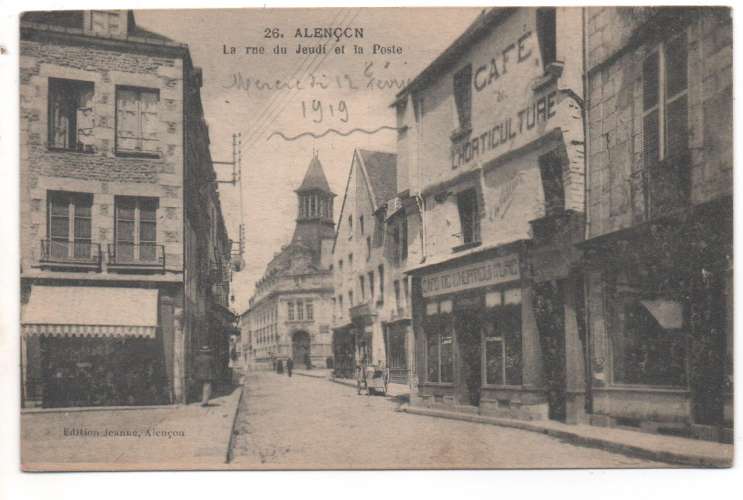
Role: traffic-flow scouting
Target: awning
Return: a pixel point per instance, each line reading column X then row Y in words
column 668, row 313
column 86, row 311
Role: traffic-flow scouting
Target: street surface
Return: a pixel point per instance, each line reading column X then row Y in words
column 304, row 422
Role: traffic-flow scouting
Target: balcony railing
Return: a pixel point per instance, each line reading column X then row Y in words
column 70, row 254
column 661, row 188
column 130, row 256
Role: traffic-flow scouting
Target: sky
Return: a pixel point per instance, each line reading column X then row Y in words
column 240, row 95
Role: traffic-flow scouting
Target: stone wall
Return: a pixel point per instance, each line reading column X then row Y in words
column 615, row 111
column 101, row 172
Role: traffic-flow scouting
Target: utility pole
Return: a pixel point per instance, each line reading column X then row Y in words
column 237, row 252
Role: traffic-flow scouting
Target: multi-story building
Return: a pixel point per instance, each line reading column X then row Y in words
column 290, row 312
column 369, row 313
column 658, row 255
column 121, row 228
column 491, row 138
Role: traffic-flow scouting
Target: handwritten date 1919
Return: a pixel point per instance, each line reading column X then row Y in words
column 319, row 111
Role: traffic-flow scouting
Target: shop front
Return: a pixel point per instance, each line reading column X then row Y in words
column 396, row 348
column 344, row 348
column 660, row 309
column 92, row 346
column 476, row 335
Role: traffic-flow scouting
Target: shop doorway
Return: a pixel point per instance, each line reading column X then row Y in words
column 301, row 349
column 468, row 327
column 550, row 315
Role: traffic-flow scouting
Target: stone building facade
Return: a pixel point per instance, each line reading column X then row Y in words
column 113, row 147
column 658, row 254
column 289, row 314
column 371, row 317
column 491, row 140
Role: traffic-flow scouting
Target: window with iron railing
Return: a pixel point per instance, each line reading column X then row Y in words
column 69, row 228
column 135, row 229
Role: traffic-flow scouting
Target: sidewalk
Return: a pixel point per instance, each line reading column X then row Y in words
column 394, row 390
column 670, row 449
column 133, row 438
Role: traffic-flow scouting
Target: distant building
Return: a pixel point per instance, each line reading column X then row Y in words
column 371, row 320
column 659, row 249
column 124, row 253
column 289, row 315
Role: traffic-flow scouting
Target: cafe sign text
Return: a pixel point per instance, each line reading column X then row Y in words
column 491, row 272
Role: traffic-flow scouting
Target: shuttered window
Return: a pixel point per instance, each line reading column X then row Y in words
column 136, row 120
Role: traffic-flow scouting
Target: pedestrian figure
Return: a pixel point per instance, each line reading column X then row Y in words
column 204, row 372
column 289, row 366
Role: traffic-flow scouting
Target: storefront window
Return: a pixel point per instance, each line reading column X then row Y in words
column 439, row 343
column 503, row 339
column 649, row 344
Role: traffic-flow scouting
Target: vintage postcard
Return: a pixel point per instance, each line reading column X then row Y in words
column 376, row 238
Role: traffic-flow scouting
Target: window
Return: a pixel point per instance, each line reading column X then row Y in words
column 469, row 216
column 361, row 224
column 439, row 346
column 350, row 261
column 350, row 298
column 554, row 192
column 136, row 229
column 362, row 291
column 648, row 337
column 309, row 310
column 404, row 239
column 340, row 265
column 300, row 310
column 380, row 269
column 136, row 120
column 368, row 247
column 340, row 304
column 396, row 244
column 503, row 338
column 69, row 226
column 350, row 227
column 463, row 97
column 105, row 22
column 290, row 310
column 371, row 284
column 397, row 294
column 665, row 113
column 547, row 28
column 71, row 115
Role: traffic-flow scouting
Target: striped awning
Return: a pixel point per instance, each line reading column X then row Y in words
column 86, row 311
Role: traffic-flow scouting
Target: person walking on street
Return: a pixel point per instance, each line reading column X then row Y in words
column 289, row 366
column 204, row 372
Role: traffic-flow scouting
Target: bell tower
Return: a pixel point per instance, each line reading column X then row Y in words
column 314, row 208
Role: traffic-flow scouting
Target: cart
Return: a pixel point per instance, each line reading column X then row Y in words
column 372, row 379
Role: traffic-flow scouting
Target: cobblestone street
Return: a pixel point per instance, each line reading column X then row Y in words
column 304, row 422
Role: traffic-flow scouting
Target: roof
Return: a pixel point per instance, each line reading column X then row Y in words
column 74, row 19
column 314, row 179
column 481, row 26
column 381, row 170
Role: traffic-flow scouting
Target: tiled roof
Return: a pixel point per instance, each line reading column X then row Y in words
column 314, row 179
column 381, row 169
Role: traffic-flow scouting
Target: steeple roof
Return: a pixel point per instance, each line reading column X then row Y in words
column 314, row 179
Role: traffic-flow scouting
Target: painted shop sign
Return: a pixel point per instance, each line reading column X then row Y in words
column 503, row 131
column 491, row 272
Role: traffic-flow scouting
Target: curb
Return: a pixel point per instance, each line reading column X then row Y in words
column 308, row 375
column 231, row 440
column 79, row 409
column 690, row 460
